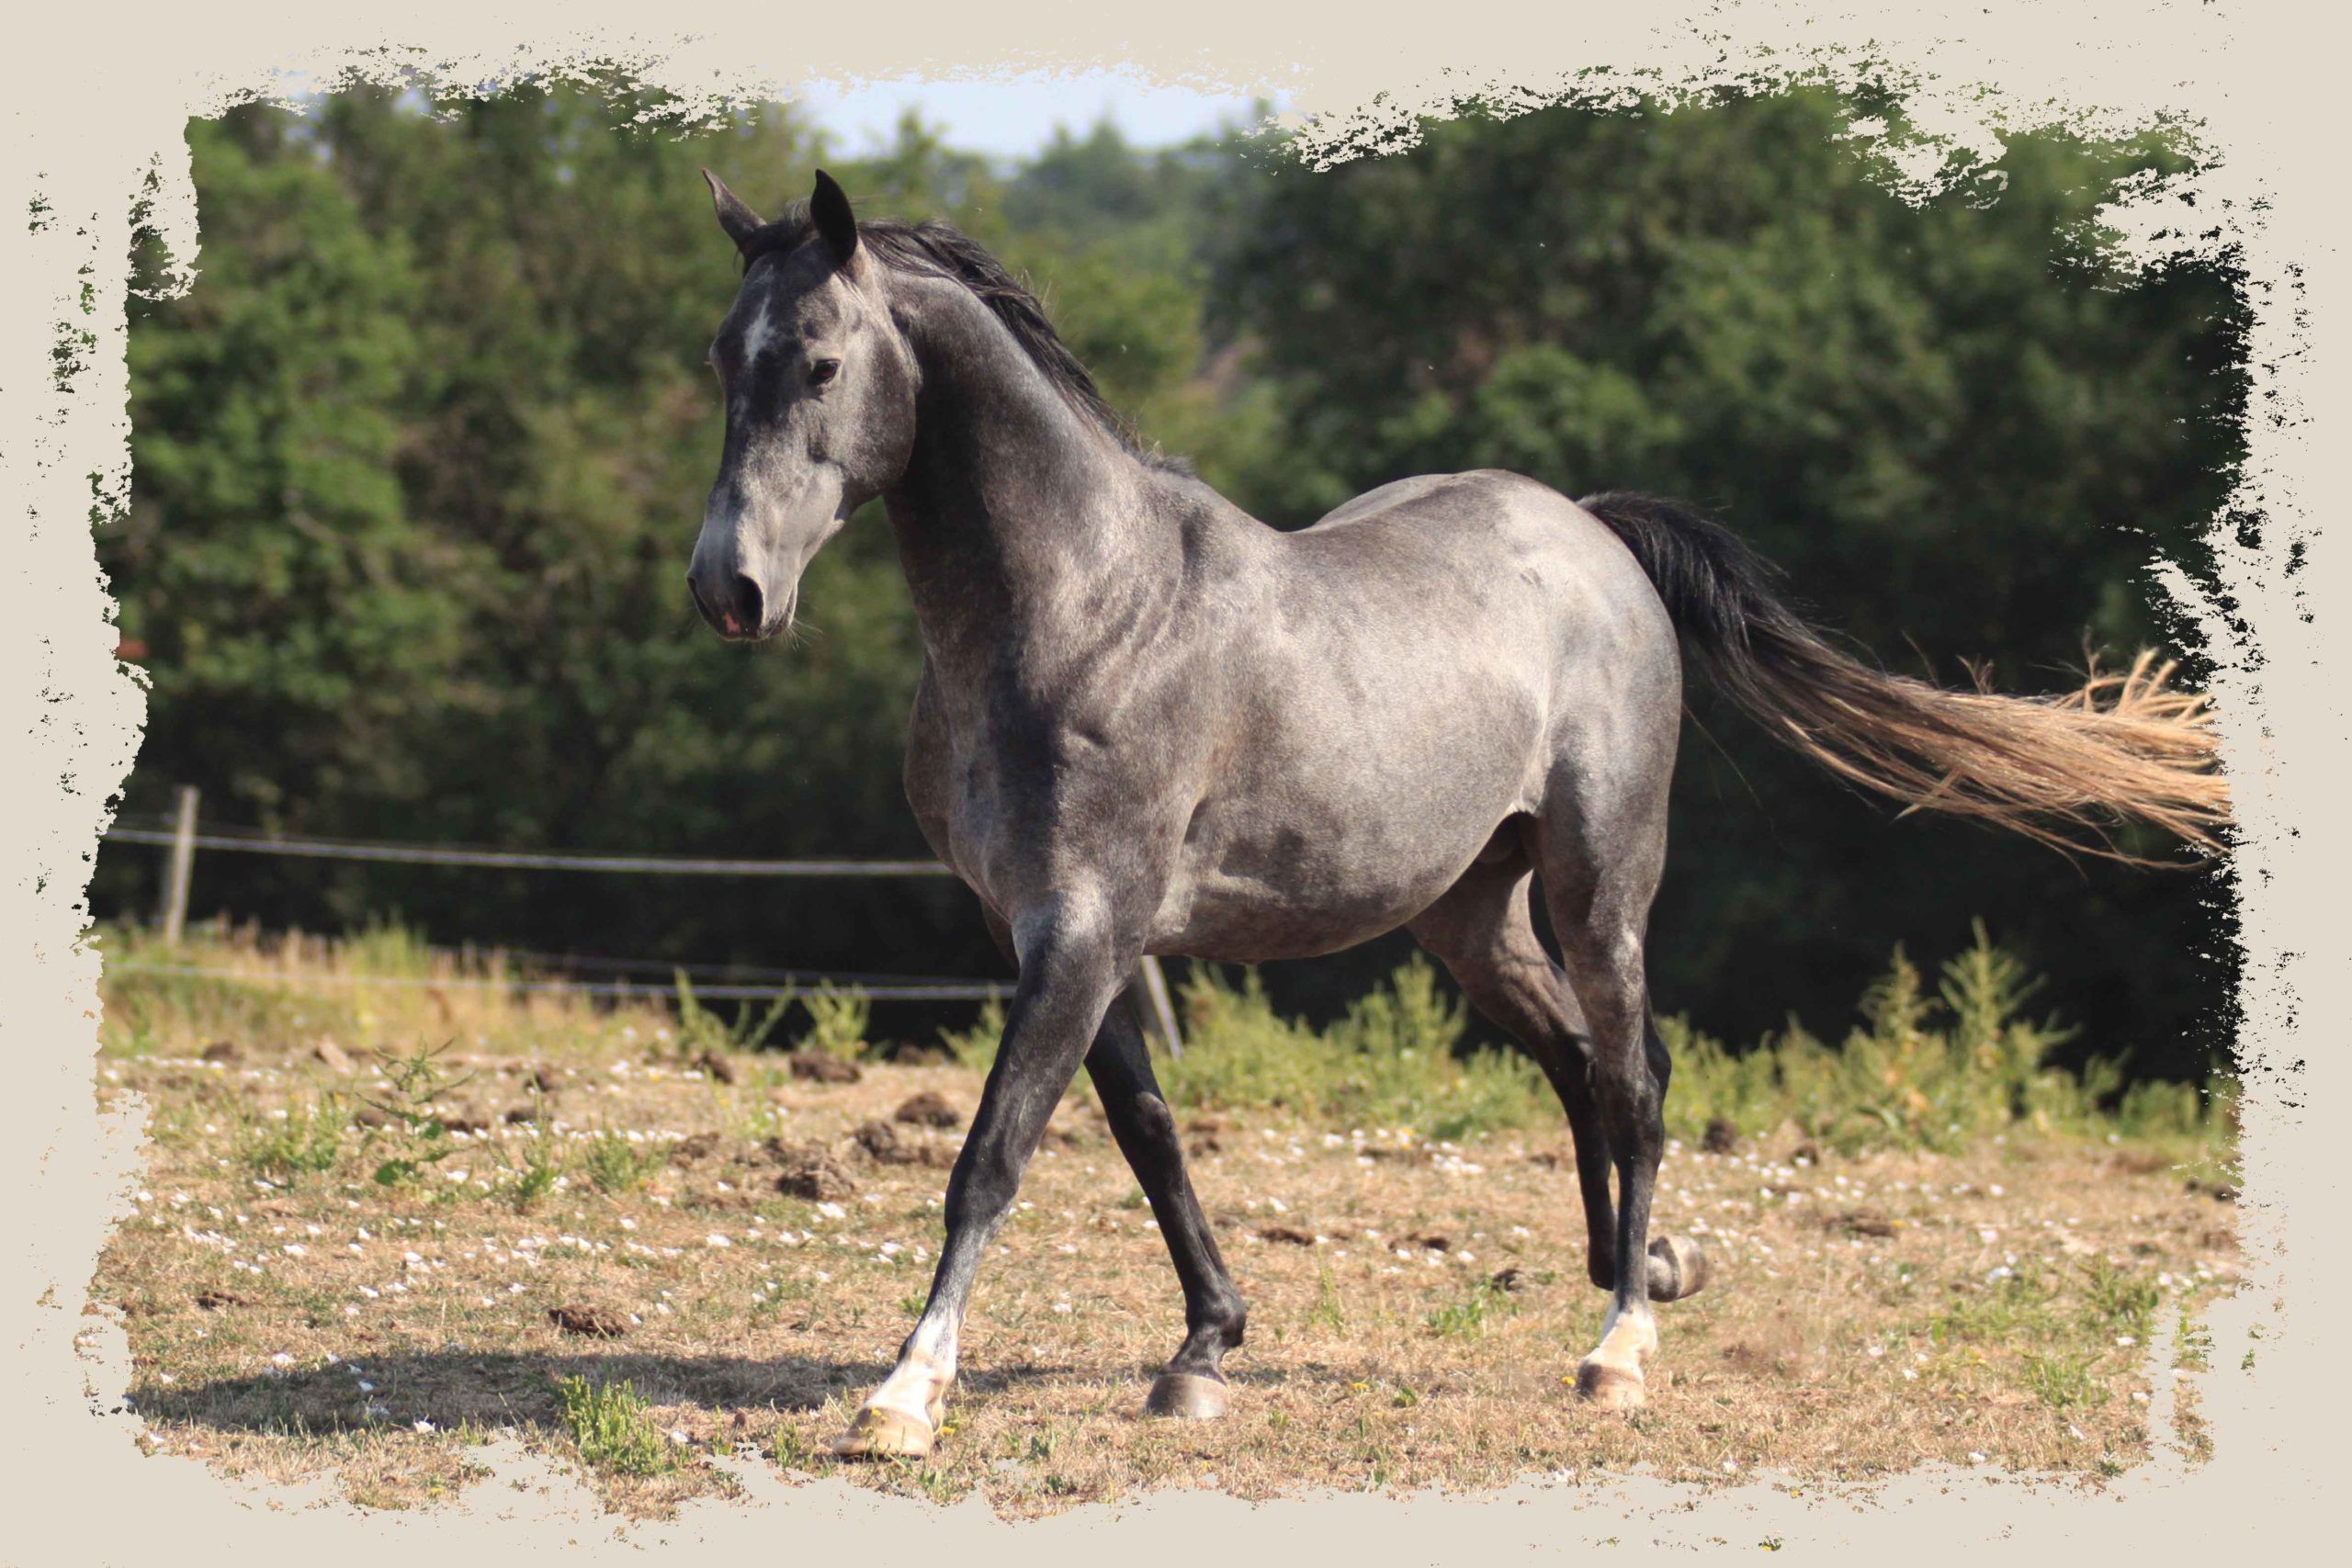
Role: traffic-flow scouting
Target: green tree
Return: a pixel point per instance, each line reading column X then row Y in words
column 268, row 563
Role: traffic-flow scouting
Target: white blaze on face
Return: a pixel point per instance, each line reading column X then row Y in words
column 757, row 335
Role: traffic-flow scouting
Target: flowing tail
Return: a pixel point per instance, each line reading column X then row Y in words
column 2056, row 769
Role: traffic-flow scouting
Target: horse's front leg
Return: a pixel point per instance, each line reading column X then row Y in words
column 1071, row 967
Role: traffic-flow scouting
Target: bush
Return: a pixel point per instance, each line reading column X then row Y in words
column 1391, row 1062
column 1924, row 1069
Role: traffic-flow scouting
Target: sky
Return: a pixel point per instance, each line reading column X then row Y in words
column 1014, row 118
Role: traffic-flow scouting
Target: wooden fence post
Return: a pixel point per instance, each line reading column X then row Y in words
column 1159, row 1010
column 178, row 869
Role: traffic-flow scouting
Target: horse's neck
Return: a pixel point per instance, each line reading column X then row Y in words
column 1020, row 524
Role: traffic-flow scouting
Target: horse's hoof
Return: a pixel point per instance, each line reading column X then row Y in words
column 1187, row 1396
column 1609, row 1388
column 875, row 1432
column 1677, row 1267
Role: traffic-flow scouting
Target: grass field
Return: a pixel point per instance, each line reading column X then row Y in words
column 383, row 1224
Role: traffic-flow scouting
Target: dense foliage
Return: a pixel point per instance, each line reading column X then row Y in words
column 419, row 459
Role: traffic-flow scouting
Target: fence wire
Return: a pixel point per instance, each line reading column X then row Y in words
column 919, row 991
column 890, row 988
column 531, row 860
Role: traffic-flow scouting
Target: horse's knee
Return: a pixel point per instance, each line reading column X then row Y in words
column 1148, row 1114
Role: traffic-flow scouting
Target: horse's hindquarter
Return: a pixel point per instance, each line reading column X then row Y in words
column 1417, row 667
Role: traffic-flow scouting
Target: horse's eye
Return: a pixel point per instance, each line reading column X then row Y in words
column 823, row 371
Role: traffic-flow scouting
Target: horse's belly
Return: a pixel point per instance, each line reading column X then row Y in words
column 1244, row 922
column 1248, row 889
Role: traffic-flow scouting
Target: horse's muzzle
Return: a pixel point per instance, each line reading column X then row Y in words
column 736, row 607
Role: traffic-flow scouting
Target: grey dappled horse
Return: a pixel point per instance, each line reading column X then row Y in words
column 1149, row 724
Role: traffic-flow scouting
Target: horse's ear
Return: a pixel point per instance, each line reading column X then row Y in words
column 740, row 221
column 829, row 207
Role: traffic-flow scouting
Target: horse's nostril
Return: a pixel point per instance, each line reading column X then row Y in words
column 747, row 602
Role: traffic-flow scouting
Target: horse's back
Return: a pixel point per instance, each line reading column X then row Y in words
column 1500, row 549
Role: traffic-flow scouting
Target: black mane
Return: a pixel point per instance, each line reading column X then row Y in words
column 939, row 250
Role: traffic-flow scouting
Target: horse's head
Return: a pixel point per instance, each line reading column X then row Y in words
column 820, row 408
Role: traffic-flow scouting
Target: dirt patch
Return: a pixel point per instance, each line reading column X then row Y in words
column 815, row 1067
column 594, row 1323
column 929, row 1109
column 814, row 1174
column 763, row 1251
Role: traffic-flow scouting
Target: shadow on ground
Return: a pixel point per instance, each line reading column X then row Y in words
column 454, row 1388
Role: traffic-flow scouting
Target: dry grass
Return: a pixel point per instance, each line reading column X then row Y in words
column 1417, row 1308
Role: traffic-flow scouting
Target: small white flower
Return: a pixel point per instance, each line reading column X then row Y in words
column 420, row 1424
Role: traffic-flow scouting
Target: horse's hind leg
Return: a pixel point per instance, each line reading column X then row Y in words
column 1483, row 932
column 1192, row 1385
column 1600, row 872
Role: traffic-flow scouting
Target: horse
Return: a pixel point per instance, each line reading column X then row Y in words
column 1149, row 724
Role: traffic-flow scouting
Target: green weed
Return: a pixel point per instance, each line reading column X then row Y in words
column 1467, row 1318
column 701, row 1030
column 2121, row 1301
column 1328, row 1310
column 613, row 1428
column 415, row 1129
column 2063, row 1382
column 837, row 1021
column 613, row 1164
column 538, row 1173
column 309, row 1142
column 976, row 1047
